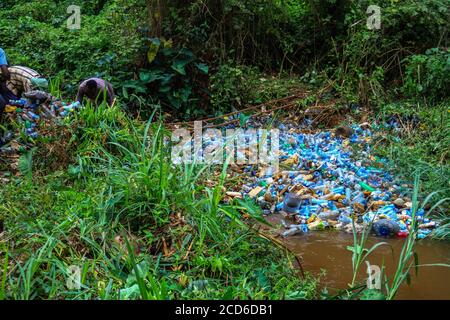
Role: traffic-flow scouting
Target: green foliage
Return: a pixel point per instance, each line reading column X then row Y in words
column 428, row 75
column 108, row 45
column 367, row 63
column 421, row 145
column 172, row 78
column 228, row 87
column 116, row 42
column 138, row 226
column 259, row 32
column 443, row 231
column 25, row 164
column 234, row 86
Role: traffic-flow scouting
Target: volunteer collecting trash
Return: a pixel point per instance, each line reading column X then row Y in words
column 95, row 89
column 3, row 78
column 23, row 80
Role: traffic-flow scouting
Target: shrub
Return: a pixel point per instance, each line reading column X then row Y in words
column 428, row 75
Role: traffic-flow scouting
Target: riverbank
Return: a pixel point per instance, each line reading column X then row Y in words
column 97, row 191
column 325, row 255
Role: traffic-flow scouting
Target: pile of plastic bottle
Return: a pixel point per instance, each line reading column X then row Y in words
column 320, row 184
column 31, row 111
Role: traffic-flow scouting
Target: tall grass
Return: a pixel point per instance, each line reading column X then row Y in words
column 407, row 259
column 55, row 86
column 138, row 226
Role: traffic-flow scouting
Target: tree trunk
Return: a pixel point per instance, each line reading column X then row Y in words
column 156, row 11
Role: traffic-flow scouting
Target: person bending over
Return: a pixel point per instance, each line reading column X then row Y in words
column 95, row 89
column 22, row 80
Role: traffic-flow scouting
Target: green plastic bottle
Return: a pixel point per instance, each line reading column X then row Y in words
column 366, row 187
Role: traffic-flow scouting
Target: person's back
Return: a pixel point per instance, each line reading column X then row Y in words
column 94, row 89
column 23, row 79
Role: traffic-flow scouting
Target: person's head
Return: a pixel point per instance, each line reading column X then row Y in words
column 91, row 87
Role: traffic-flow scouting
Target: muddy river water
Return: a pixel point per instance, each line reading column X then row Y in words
column 328, row 250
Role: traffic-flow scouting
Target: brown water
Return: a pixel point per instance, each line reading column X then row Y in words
column 328, row 250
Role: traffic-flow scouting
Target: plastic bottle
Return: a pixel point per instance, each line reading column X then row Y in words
column 304, row 211
column 366, row 187
column 344, row 219
column 291, row 203
column 385, row 228
column 329, row 215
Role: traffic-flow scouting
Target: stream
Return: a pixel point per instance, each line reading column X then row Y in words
column 328, row 250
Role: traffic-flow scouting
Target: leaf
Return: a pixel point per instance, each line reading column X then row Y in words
column 243, row 119
column 153, row 50
column 136, row 86
column 178, row 66
column 263, row 281
column 148, row 76
column 228, row 295
column 73, row 171
column 350, row 248
column 372, row 294
column 167, row 43
column 408, row 279
column 137, row 271
column 416, row 262
column 155, row 41
column 251, row 208
column 187, row 53
column 25, row 164
column 165, row 79
column 125, row 93
column 202, row 67
column 164, row 89
column 131, row 293
column 185, row 94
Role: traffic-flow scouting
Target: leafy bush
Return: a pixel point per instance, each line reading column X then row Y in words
column 372, row 61
column 228, row 87
column 175, row 78
column 35, row 34
column 138, row 226
column 428, row 75
column 422, row 145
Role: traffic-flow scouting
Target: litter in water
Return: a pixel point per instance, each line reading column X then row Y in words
column 323, row 184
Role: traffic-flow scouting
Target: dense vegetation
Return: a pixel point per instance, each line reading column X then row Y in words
column 99, row 191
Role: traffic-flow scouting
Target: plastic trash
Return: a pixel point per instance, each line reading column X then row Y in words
column 366, row 187
column 37, row 96
column 385, row 228
column 402, row 234
column 291, row 203
column 344, row 219
column 329, row 215
column 333, row 183
column 291, row 232
column 317, row 225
